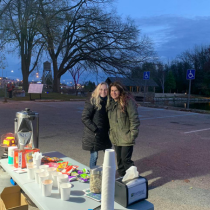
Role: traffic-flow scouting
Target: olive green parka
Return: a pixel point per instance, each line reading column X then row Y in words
column 124, row 126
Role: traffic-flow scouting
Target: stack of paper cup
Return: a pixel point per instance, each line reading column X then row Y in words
column 108, row 180
column 31, row 170
column 11, row 155
column 36, row 173
column 47, row 187
column 43, row 176
column 62, row 178
column 55, row 178
column 50, row 170
column 65, row 189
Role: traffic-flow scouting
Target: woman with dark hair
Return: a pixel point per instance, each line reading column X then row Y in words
column 124, row 125
column 96, row 122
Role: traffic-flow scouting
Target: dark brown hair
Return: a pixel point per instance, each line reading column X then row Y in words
column 124, row 95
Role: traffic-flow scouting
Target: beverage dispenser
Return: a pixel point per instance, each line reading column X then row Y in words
column 27, row 129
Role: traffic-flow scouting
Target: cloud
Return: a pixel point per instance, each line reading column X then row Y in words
column 174, row 34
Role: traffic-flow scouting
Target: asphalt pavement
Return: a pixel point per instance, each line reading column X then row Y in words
column 171, row 151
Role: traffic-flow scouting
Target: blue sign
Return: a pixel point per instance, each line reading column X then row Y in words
column 146, row 74
column 190, row 74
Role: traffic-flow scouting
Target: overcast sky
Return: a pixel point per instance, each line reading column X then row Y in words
column 173, row 26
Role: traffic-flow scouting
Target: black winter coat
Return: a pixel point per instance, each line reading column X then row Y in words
column 96, row 128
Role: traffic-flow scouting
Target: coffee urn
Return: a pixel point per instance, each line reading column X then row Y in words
column 27, row 129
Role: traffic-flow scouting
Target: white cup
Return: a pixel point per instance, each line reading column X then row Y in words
column 109, row 158
column 37, row 171
column 31, row 170
column 50, row 170
column 44, row 167
column 30, row 164
column 47, row 187
column 43, row 176
column 65, row 189
column 37, row 162
column 62, row 178
column 54, row 178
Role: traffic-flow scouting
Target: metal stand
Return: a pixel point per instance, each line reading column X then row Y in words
column 40, row 96
column 145, row 85
column 188, row 97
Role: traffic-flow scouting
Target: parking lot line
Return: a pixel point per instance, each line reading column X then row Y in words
column 198, row 130
column 181, row 115
column 149, row 110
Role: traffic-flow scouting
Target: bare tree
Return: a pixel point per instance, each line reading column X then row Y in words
column 2, row 63
column 19, row 23
column 4, row 8
column 76, row 72
column 85, row 33
column 160, row 75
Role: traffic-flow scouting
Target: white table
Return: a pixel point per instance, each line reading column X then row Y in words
column 77, row 199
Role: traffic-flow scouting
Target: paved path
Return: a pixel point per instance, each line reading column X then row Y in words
column 172, row 150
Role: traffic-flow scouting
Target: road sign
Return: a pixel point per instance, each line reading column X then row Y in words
column 190, row 74
column 146, row 75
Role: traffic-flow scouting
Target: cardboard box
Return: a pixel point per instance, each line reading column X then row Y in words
column 12, row 199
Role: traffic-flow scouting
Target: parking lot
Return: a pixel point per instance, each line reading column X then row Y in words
column 171, row 151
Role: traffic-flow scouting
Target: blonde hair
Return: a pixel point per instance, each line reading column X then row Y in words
column 95, row 97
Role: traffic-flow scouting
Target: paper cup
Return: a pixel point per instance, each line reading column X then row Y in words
column 30, row 164
column 65, row 189
column 50, row 170
column 54, row 178
column 37, row 162
column 31, row 170
column 47, row 187
column 42, row 176
column 109, row 158
column 44, row 167
column 36, row 173
column 62, row 178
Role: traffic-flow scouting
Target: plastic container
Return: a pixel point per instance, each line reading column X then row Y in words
column 19, row 157
column 11, row 154
column 96, row 179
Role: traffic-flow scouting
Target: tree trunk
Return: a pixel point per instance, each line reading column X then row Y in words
column 25, row 81
column 75, row 87
column 56, row 84
column 57, row 77
column 25, row 71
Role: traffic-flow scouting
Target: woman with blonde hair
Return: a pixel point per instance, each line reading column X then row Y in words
column 96, row 122
column 124, row 125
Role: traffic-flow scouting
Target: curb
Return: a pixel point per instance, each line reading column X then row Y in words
column 147, row 104
column 52, row 100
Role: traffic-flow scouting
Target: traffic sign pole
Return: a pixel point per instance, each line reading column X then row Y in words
column 145, row 85
column 146, row 76
column 188, row 97
column 190, row 75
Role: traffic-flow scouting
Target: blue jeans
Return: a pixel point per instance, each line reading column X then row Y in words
column 93, row 158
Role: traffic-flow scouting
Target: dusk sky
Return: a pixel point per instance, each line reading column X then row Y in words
column 173, row 26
